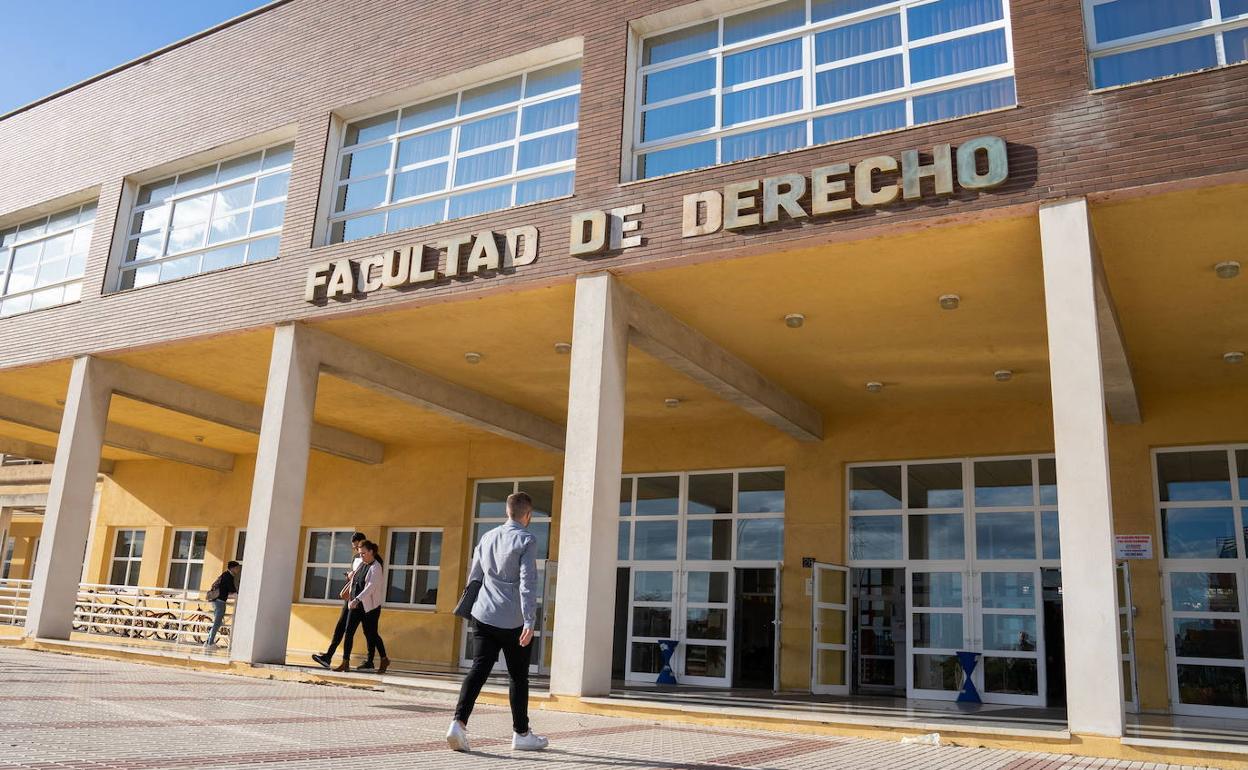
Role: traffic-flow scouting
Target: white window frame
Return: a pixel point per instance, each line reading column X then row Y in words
column 7, row 253
column 130, row 558
column 391, row 566
column 1216, row 24
column 188, row 562
column 240, row 539
column 126, row 236
column 6, row 556
column 635, row 147
column 451, row 190
column 307, row 555
column 1237, row 566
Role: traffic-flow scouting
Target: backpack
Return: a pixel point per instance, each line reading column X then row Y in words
column 214, row 592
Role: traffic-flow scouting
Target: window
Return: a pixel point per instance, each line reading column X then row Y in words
column 240, row 545
column 1135, row 40
column 42, row 261
column 186, row 559
column 127, row 557
column 984, row 509
column 805, row 72
column 490, row 147
column 1202, row 505
column 326, row 564
column 718, row 516
column 225, row 214
column 412, row 577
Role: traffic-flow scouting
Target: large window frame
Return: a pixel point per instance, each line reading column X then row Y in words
column 73, row 224
column 395, row 569
column 251, row 246
column 334, row 580
column 196, row 547
column 1216, row 25
column 808, row 71
column 1235, row 567
column 340, row 213
column 132, row 558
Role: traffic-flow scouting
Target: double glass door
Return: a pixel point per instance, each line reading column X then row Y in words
column 996, row 612
column 691, row 606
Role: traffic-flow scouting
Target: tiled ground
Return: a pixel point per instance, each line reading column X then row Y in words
column 75, row 713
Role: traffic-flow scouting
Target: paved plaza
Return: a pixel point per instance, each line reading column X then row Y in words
column 59, row 711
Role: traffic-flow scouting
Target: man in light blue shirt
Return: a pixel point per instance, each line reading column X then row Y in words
column 503, row 616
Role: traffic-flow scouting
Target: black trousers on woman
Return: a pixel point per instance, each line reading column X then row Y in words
column 369, row 620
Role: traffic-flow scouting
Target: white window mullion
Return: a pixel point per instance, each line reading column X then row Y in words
column 904, row 16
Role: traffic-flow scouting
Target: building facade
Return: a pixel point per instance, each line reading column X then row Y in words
column 832, row 337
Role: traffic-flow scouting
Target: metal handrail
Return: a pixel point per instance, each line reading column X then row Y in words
column 14, row 599
column 140, row 612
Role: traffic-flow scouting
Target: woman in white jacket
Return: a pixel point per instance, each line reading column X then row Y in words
column 365, row 606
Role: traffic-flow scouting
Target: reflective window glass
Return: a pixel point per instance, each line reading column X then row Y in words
column 875, row 537
column 875, row 488
column 1000, row 483
column 710, row 493
column 760, row 492
column 935, row 485
column 1005, row 535
column 1199, row 533
column 937, row 536
column 1185, row 476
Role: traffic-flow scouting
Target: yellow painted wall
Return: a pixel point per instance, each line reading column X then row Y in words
column 432, row 486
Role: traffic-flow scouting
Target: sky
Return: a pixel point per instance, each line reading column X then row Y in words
column 51, row 44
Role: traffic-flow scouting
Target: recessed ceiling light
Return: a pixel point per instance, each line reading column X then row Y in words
column 1003, row 375
column 472, row 357
column 794, row 320
column 1234, row 357
column 671, row 403
column 949, row 301
column 1227, row 269
column 875, row 387
column 563, row 348
column 200, row 439
column 60, row 402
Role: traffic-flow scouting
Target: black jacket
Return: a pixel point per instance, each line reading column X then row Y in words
column 226, row 585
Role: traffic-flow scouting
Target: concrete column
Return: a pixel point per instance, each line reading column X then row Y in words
column 262, row 618
column 67, row 518
column 585, row 614
column 1089, row 604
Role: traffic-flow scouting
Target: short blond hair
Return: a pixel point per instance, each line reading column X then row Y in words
column 518, row 504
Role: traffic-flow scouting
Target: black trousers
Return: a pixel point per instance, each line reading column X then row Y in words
column 490, row 640
column 339, row 630
column 357, row 617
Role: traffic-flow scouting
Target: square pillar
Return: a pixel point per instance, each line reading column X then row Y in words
column 593, row 458
column 67, row 518
column 262, row 617
column 1089, row 601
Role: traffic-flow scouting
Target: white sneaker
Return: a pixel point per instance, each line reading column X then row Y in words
column 530, row 741
column 457, row 737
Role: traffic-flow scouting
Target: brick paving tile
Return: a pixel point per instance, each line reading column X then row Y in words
column 64, row 713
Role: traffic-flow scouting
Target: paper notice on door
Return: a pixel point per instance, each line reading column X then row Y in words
column 1133, row 546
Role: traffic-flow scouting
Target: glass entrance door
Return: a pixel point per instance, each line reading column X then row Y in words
column 1009, row 631
column 937, row 607
column 830, row 645
column 651, row 620
column 706, row 649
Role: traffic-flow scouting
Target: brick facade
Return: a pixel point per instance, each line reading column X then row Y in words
column 294, row 63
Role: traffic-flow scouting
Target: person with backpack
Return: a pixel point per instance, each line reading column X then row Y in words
column 222, row 589
column 325, row 659
column 367, row 591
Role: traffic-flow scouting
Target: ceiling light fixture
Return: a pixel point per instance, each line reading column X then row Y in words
column 473, row 357
column 875, row 387
column 1227, row 269
column 563, row 348
column 949, row 301
column 794, row 320
column 200, row 439
column 1234, row 357
column 1003, row 375
column 671, row 403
